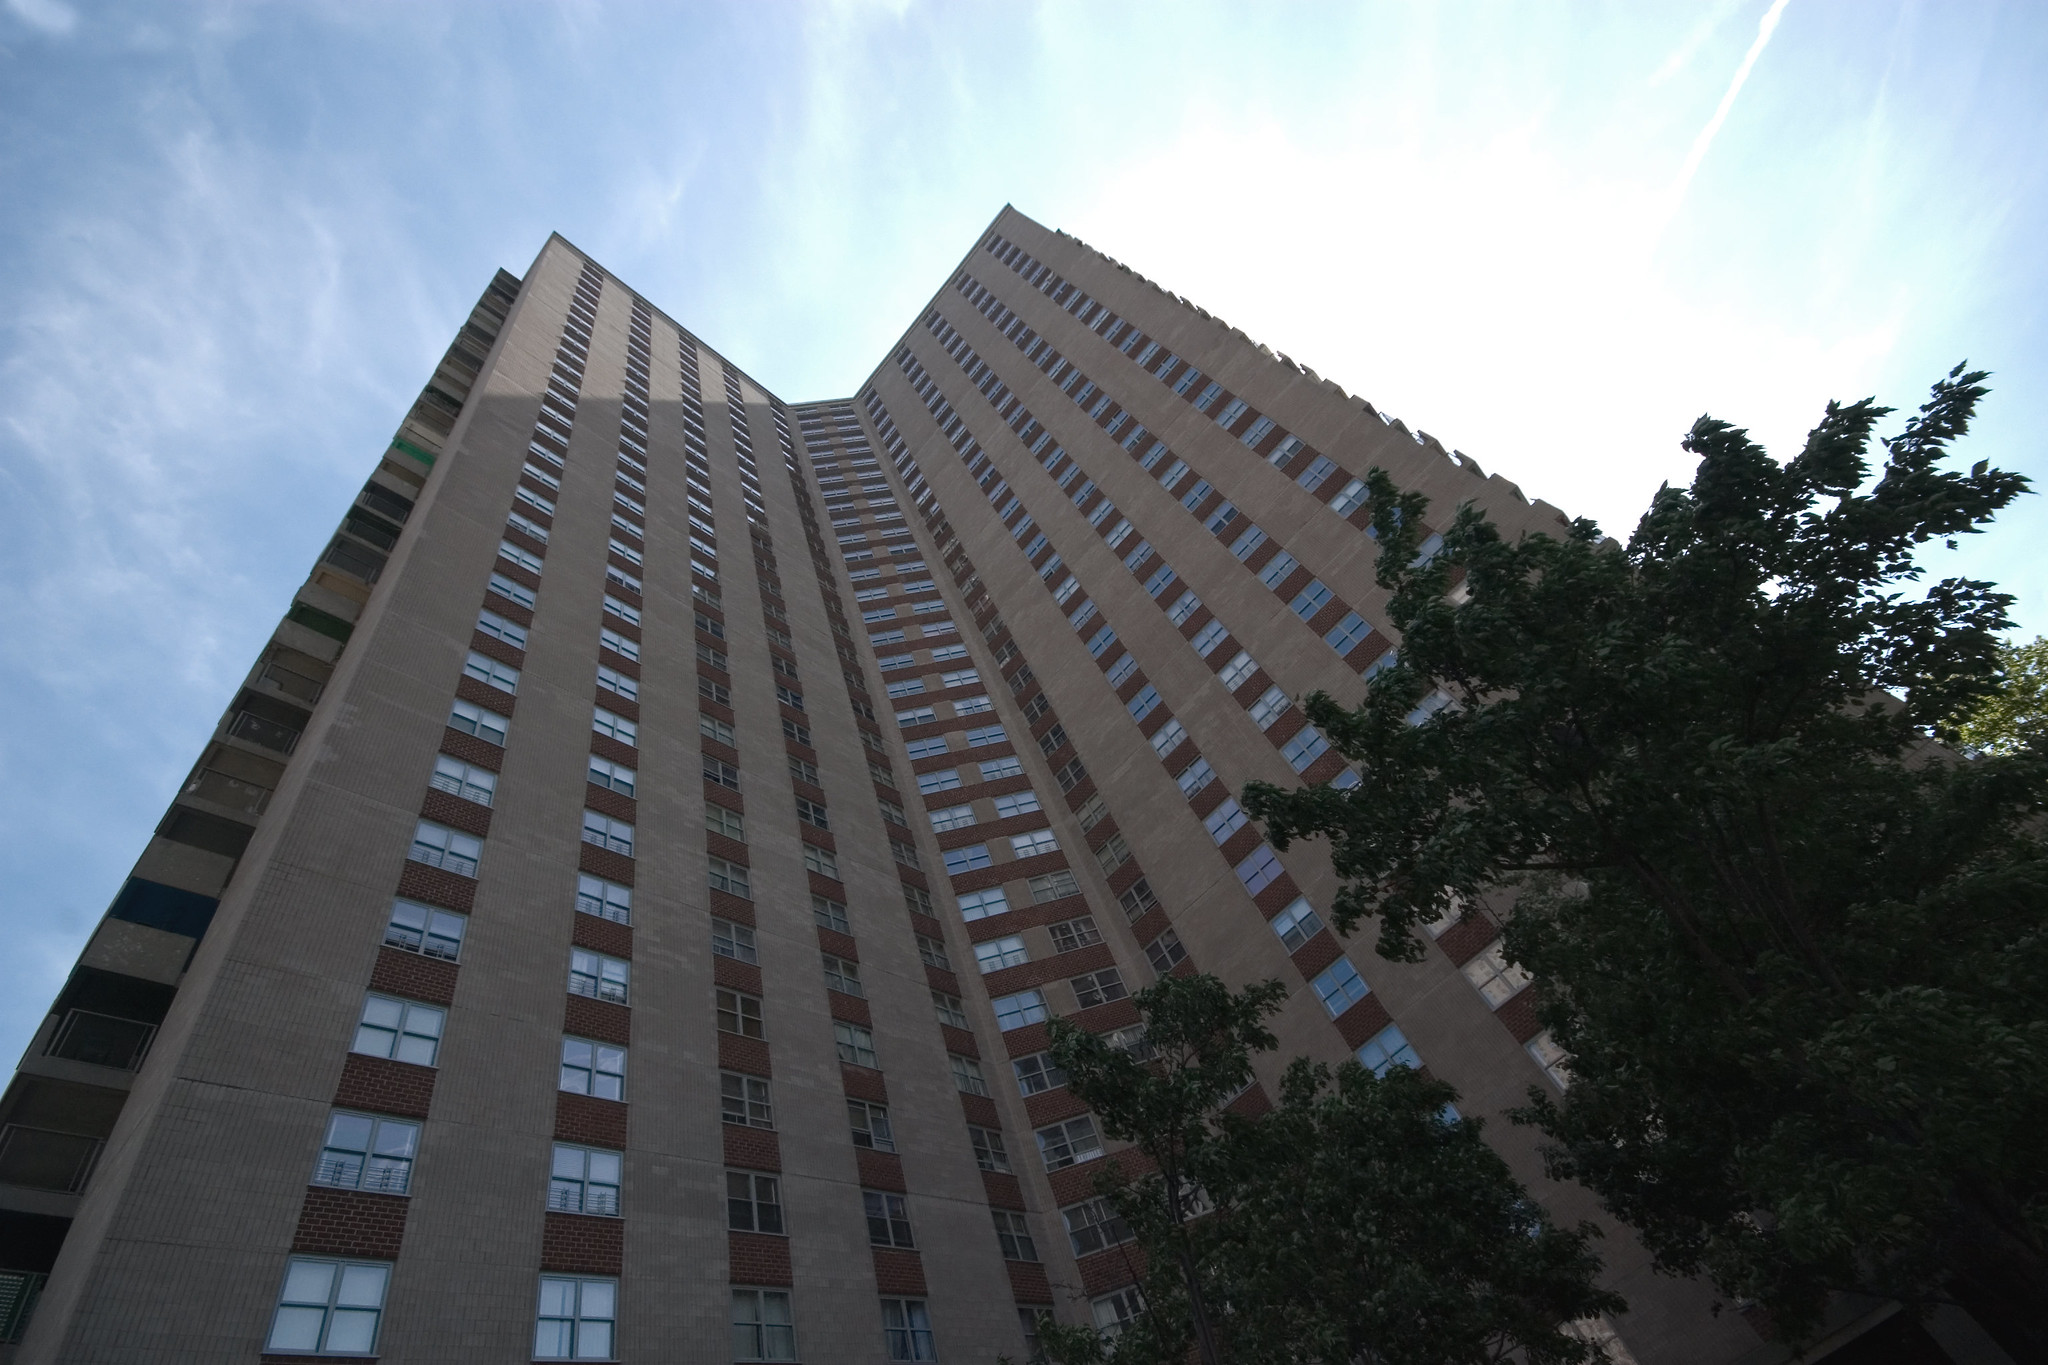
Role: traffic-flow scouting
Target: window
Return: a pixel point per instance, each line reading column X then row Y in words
column 989, row 1153
column 1340, row 986
column 1070, row 934
column 1161, row 579
column 329, row 1307
column 907, row 1329
column 999, row 953
column 1098, row 988
column 998, row 768
column 1165, row 952
column 1271, row 705
column 576, row 1318
column 1494, row 977
column 930, row 784
column 1232, row 410
column 842, row 976
column 932, row 952
column 613, row 776
column 1013, row 1234
column 800, row 733
column 918, row 715
column 1095, row 1226
column 1238, row 671
column 986, row 735
column 1350, row 498
column 738, row 1013
column 608, row 833
column 1277, row 569
column 1387, row 1049
column 530, row 563
column 1052, row 886
column 1305, row 748
column 753, row 1202
column 730, row 823
column 608, row 900
column 1066, row 1144
column 888, row 1219
column 733, row 940
column 789, row 697
column 1555, row 1061
column 972, row 706
column 908, row 688
column 870, row 1126
column 1034, row 844
column 1138, row 900
column 1143, row 704
column 1345, row 635
column 856, row 1044
column 1248, row 540
column 511, row 591
column 981, row 904
column 949, row 1009
column 1208, row 637
column 1226, row 820
column 1015, row 1011
column 498, row 628
column 425, row 930
column 1114, row 1312
column 1260, row 869
column 927, row 748
column 621, row 683
column 584, row 1180
column 761, row 1325
column 967, row 1077
column 952, row 817
column 1122, row 669
column 472, row 719
column 1036, row 1074
column 728, row 877
column 1102, row 640
column 968, row 859
column 597, row 976
column 439, row 846
column 613, row 726
column 402, row 1030
column 1194, row 777
column 744, row 1100
column 821, row 861
column 1183, row 607
column 1310, row 599
column 803, row 770
column 364, row 1152
column 590, row 1068
column 1297, row 924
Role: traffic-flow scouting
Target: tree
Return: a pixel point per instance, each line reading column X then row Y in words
column 1359, row 1219
column 2016, row 715
column 1797, row 951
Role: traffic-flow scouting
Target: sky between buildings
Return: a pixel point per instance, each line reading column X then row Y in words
column 234, row 239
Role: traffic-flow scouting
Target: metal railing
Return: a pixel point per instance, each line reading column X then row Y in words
column 102, row 1039
column 43, row 1159
column 268, row 733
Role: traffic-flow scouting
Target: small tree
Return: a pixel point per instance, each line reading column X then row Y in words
column 1358, row 1219
column 2014, row 717
column 1798, row 954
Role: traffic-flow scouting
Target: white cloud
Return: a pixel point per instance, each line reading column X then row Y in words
column 49, row 16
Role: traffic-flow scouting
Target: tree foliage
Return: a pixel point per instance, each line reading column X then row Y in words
column 2015, row 717
column 1795, row 948
column 1358, row 1219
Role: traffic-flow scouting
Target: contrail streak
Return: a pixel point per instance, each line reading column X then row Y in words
column 1764, row 29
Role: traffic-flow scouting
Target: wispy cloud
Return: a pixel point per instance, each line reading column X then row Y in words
column 1698, row 151
column 48, row 16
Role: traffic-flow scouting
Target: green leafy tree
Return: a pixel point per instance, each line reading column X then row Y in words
column 2016, row 715
column 1795, row 949
column 1359, row 1219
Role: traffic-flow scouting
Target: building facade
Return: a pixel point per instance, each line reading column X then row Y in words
column 618, row 914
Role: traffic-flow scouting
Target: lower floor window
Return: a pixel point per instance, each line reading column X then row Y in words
column 761, row 1325
column 1114, row 1312
column 329, row 1307
column 907, row 1328
column 576, row 1318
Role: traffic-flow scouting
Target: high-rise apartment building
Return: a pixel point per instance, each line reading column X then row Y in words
column 617, row 915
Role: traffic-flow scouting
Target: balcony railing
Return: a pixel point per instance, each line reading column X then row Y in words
column 19, row 1290
column 46, row 1160
column 564, row 1197
column 102, row 1039
column 268, row 733
column 384, row 1175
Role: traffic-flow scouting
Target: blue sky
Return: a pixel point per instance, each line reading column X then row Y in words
column 234, row 239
